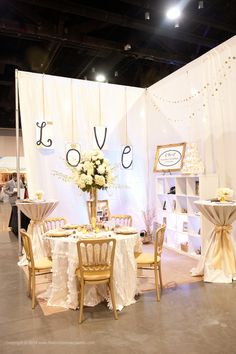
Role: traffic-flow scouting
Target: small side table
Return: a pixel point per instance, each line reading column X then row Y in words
column 218, row 260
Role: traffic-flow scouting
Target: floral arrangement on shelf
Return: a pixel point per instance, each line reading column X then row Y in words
column 224, row 194
column 93, row 171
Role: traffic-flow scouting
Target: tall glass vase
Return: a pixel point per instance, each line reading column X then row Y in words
column 93, row 200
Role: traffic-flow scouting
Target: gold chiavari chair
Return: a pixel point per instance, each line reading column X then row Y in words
column 153, row 261
column 96, row 259
column 121, row 220
column 54, row 223
column 36, row 267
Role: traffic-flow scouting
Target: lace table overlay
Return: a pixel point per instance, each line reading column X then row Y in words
column 63, row 291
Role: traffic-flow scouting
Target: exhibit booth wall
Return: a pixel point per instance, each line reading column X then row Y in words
column 197, row 104
column 194, row 104
column 73, row 108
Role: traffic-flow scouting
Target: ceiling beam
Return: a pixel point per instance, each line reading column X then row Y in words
column 53, row 52
column 6, row 83
column 12, row 60
column 24, row 12
column 14, row 29
column 120, row 20
column 199, row 19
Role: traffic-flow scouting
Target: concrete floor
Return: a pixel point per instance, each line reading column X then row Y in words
column 194, row 318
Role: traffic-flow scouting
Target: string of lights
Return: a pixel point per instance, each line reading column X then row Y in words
column 209, row 89
column 213, row 86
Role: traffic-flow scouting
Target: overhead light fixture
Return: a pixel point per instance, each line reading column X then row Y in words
column 200, row 4
column 147, row 16
column 100, row 77
column 127, row 47
column 173, row 13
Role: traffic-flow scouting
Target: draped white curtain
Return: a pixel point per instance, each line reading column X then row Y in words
column 73, row 107
column 197, row 104
column 194, row 104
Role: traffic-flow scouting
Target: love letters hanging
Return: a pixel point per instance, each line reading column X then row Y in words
column 100, row 131
column 127, row 150
column 44, row 127
column 44, row 134
column 73, row 154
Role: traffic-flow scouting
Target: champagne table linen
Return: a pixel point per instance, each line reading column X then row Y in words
column 218, row 260
column 63, row 291
column 37, row 211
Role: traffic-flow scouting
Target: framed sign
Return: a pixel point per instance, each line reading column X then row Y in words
column 169, row 157
column 103, row 211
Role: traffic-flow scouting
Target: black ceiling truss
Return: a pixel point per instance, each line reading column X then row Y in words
column 80, row 38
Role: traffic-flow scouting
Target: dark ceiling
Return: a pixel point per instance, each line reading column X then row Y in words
column 81, row 38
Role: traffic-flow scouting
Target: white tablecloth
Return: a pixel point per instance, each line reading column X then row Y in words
column 37, row 211
column 64, row 291
column 218, row 260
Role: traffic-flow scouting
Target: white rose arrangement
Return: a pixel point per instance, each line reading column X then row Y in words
column 224, row 193
column 93, row 171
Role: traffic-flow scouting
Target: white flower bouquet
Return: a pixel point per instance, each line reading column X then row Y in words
column 93, row 171
column 224, row 194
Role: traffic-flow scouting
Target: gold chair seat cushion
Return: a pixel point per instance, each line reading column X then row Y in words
column 146, row 258
column 42, row 263
column 94, row 276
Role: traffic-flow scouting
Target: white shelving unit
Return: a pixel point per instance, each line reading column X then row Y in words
column 184, row 224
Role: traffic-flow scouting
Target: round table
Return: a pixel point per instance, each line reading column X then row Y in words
column 37, row 211
column 63, row 291
column 218, row 260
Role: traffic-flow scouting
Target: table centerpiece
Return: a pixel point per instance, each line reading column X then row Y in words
column 92, row 173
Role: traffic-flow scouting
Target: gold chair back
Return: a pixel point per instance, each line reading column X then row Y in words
column 122, row 219
column 54, row 223
column 153, row 261
column 158, row 242
column 96, row 259
column 28, row 247
column 96, row 255
column 35, row 267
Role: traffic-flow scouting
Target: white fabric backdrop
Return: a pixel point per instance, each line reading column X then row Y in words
column 58, row 105
column 197, row 104
column 194, row 104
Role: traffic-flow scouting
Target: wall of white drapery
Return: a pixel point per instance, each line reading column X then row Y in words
column 74, row 108
column 194, row 104
column 198, row 104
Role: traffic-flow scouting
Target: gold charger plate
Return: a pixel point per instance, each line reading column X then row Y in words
column 125, row 231
column 70, row 226
column 59, row 234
